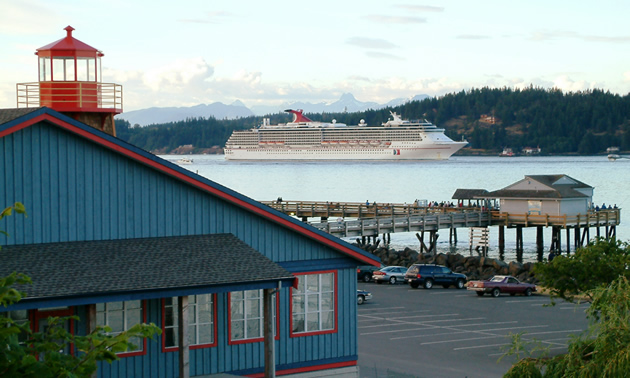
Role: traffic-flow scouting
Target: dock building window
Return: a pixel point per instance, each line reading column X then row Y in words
column 247, row 316
column 313, row 304
column 120, row 316
column 201, row 322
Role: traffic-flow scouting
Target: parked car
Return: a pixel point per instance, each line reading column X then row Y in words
column 427, row 275
column 501, row 284
column 363, row 295
column 364, row 272
column 391, row 274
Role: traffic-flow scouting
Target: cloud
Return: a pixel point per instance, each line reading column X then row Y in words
column 370, row 43
column 178, row 74
column 472, row 36
column 567, row 84
column 215, row 17
column 396, row 19
column 626, row 76
column 381, row 55
column 29, row 17
column 420, row 8
column 547, row 35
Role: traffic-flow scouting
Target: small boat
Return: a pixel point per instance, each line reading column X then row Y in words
column 613, row 157
column 184, row 161
column 507, row 152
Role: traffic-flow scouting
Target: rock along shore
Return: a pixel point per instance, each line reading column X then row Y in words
column 474, row 267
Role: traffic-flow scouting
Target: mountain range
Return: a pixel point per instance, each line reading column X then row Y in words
column 346, row 103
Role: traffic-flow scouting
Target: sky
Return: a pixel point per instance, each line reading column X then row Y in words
column 267, row 53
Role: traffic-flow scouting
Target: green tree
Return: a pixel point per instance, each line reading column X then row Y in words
column 603, row 352
column 24, row 353
column 600, row 263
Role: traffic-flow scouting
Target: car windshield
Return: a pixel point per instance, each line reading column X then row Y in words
column 496, row 279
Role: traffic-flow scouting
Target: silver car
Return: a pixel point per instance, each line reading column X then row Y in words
column 391, row 274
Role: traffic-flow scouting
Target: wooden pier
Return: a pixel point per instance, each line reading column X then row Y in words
column 347, row 219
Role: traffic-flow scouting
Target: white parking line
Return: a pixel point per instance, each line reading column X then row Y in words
column 426, row 322
column 528, row 301
column 376, row 313
column 477, row 338
column 481, row 346
column 421, row 316
column 501, row 354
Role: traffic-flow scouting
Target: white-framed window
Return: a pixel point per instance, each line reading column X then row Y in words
column 201, row 321
column 247, row 316
column 313, row 304
column 120, row 316
column 20, row 318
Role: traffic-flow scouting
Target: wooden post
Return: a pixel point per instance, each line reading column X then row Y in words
column 182, row 334
column 539, row 243
column 90, row 324
column 519, row 243
column 452, row 236
column 270, row 356
column 568, row 241
column 501, row 240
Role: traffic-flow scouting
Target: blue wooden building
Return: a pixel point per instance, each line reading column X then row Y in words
column 118, row 236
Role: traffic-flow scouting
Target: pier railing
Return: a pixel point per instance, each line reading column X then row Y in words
column 345, row 219
column 424, row 222
column 310, row 209
column 611, row 217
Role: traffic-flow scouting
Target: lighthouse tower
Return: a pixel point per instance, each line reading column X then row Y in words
column 70, row 83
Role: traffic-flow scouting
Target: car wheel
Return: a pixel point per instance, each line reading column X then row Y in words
column 428, row 283
column 480, row 293
column 366, row 278
column 528, row 292
column 360, row 299
column 379, row 282
column 460, row 284
column 496, row 292
column 414, row 285
column 392, row 280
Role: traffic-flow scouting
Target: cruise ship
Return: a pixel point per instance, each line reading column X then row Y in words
column 304, row 139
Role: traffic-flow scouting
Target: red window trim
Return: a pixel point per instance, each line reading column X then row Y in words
column 166, row 349
column 314, row 333
column 37, row 315
column 257, row 339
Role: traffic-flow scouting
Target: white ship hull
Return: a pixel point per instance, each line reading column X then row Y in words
column 303, row 139
column 427, row 152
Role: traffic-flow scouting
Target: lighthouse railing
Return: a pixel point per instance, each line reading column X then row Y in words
column 70, row 95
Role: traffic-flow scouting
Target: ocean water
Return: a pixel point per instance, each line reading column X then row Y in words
column 406, row 181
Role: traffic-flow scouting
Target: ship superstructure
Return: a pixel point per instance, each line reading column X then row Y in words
column 304, row 139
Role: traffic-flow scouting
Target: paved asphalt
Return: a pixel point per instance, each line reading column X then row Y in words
column 405, row 332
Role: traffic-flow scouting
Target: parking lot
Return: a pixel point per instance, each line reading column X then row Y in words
column 405, row 332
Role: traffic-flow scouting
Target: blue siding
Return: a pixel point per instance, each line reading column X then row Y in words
column 78, row 190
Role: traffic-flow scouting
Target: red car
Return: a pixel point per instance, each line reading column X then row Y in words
column 501, row 284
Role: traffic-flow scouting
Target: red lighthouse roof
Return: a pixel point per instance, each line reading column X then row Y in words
column 68, row 46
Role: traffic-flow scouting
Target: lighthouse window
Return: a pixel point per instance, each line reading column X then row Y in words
column 82, row 69
column 63, row 69
column 44, row 69
column 92, row 70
